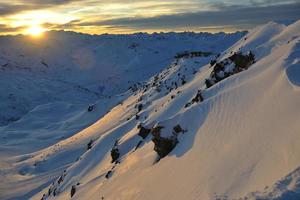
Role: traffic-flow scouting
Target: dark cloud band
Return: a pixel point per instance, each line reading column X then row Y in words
column 241, row 17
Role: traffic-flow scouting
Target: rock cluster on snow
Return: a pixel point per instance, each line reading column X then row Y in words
column 198, row 98
column 234, row 64
column 115, row 154
column 164, row 139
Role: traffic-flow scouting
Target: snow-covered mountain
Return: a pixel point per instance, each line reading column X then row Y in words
column 78, row 68
column 209, row 126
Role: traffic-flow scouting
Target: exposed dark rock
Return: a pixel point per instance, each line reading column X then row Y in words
column 115, row 154
column 140, row 107
column 163, row 146
column 177, row 129
column 91, row 108
column 183, row 81
column 192, row 54
column 208, row 83
column 139, row 126
column 90, row 144
column 218, row 67
column 138, row 145
column 54, row 192
column 134, row 87
column 165, row 142
column 198, row 97
column 144, row 132
column 187, row 104
column 212, row 62
column 242, row 61
column 108, row 174
column 60, row 180
column 73, row 190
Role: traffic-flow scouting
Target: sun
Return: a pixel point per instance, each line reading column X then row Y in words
column 35, row 31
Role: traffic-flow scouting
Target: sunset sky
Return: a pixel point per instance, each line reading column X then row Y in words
column 127, row 16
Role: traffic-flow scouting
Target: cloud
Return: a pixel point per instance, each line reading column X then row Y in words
column 11, row 7
column 70, row 25
column 8, row 9
column 239, row 16
column 115, row 16
column 7, row 29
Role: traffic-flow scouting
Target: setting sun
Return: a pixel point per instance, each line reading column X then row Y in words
column 35, row 31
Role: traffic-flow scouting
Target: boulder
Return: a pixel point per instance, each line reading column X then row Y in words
column 108, row 174
column 115, row 154
column 163, row 145
column 73, row 190
column 177, row 129
column 91, row 108
column 144, row 132
column 140, row 107
column 90, row 145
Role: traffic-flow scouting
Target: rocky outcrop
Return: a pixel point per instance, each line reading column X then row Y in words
column 144, row 132
column 192, row 54
column 115, row 154
column 233, row 64
column 197, row 99
column 165, row 143
column 242, row 61
column 163, row 146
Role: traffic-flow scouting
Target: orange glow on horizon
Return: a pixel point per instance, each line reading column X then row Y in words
column 35, row 31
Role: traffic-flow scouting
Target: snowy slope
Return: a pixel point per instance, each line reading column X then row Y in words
column 48, row 85
column 79, row 68
column 230, row 129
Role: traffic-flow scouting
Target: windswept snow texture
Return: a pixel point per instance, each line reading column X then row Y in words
column 237, row 139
